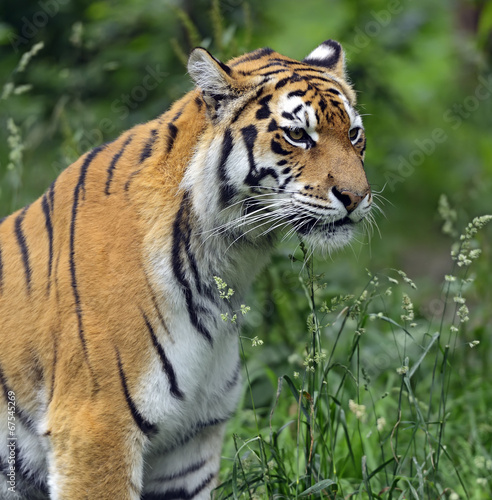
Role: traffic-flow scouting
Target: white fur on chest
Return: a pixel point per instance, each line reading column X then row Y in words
column 207, row 374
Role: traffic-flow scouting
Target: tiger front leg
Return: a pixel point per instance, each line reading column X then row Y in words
column 95, row 455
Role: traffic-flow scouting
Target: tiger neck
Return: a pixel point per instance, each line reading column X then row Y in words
column 202, row 250
column 222, row 247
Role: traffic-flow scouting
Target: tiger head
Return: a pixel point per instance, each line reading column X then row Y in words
column 284, row 146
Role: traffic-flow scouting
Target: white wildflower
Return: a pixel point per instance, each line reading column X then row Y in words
column 358, row 410
column 380, row 423
column 463, row 313
column 402, row 370
column 256, row 342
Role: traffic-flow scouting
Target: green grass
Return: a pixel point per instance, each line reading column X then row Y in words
column 374, row 401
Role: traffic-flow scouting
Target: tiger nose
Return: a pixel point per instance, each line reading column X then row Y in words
column 350, row 200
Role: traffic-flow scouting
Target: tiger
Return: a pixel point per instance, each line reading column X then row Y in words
column 118, row 374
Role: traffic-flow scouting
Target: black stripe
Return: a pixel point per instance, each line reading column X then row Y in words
column 218, row 97
column 272, row 126
column 180, row 493
column 79, row 189
column 336, row 103
column 361, row 152
column 179, row 113
column 286, row 182
column 298, row 93
column 303, row 65
column 180, row 229
column 230, row 384
column 113, row 163
column 194, row 266
column 324, row 79
column 266, row 66
column 21, row 240
column 182, row 473
column 166, row 364
column 147, row 150
column 227, row 191
column 156, row 305
column 250, row 133
column 277, row 148
column 49, row 229
column 308, row 103
column 273, row 72
column 264, row 112
column 247, row 103
column 265, row 172
column 51, row 196
column 51, row 199
column 182, row 108
column 173, row 132
column 240, row 111
column 130, row 178
column 146, row 427
column 199, row 102
column 224, row 66
column 195, row 430
column 282, row 83
column 297, row 109
column 253, row 56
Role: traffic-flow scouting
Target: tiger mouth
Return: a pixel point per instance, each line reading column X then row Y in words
column 312, row 224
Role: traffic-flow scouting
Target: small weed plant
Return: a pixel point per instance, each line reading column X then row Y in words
column 369, row 410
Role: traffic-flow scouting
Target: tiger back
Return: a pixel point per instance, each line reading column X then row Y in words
column 114, row 362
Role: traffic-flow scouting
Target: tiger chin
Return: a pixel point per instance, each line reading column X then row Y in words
column 118, row 374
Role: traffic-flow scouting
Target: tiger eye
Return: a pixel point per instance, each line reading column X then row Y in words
column 296, row 134
column 353, row 133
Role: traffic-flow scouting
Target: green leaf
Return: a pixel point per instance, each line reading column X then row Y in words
column 316, row 488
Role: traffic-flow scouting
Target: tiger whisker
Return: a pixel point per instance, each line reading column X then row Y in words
column 246, row 219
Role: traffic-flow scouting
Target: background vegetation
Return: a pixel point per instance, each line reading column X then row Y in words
column 422, row 70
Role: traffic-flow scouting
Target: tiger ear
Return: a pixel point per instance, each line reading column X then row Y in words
column 328, row 55
column 213, row 77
